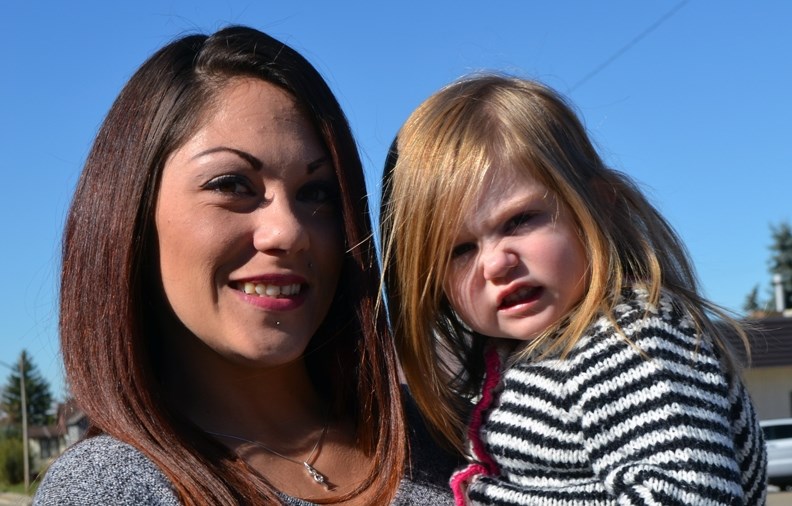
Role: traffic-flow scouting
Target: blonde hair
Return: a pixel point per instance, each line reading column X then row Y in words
column 443, row 154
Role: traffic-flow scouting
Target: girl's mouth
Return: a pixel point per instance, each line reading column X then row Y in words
column 270, row 290
column 520, row 296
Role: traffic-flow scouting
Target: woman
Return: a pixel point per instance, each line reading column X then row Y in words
column 218, row 296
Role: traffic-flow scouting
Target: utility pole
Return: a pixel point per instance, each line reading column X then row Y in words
column 24, row 420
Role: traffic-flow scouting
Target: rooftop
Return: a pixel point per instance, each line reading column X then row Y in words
column 771, row 342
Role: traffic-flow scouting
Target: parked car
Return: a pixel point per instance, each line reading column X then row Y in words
column 778, row 436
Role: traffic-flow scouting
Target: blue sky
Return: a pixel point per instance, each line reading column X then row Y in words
column 691, row 98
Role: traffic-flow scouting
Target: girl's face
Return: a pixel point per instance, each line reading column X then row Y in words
column 248, row 228
column 518, row 264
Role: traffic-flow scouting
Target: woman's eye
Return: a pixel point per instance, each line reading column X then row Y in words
column 318, row 193
column 462, row 249
column 231, row 184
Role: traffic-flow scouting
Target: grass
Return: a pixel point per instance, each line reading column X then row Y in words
column 18, row 488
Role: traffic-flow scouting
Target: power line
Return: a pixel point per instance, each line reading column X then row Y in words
column 665, row 17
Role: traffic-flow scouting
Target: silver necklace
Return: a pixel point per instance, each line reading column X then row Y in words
column 318, row 477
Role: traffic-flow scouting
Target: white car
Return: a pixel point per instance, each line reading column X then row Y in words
column 778, row 437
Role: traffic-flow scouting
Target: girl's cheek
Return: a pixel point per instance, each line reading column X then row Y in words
column 457, row 291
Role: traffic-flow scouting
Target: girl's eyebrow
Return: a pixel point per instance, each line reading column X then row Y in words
column 506, row 210
column 526, row 199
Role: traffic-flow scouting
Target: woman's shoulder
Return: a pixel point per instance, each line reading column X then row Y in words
column 104, row 470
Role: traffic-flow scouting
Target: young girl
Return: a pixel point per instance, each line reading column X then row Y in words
column 531, row 282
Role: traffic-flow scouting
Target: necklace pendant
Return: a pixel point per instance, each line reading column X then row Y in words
column 316, row 475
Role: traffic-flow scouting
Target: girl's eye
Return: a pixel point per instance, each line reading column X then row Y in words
column 462, row 249
column 230, row 184
column 519, row 220
column 318, row 193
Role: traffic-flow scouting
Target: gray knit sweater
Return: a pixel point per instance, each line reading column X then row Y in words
column 611, row 425
column 102, row 470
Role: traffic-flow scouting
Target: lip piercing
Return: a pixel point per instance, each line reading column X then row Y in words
column 277, row 323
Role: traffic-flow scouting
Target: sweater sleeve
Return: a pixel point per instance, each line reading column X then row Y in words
column 102, row 470
column 659, row 413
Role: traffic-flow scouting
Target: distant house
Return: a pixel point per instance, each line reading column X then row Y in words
column 769, row 372
column 47, row 442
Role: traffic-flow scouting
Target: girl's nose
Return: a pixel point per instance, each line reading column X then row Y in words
column 497, row 262
column 278, row 229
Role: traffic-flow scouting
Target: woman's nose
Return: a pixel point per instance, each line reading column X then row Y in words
column 279, row 229
column 497, row 262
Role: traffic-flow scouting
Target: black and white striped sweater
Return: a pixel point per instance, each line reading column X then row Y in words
column 611, row 426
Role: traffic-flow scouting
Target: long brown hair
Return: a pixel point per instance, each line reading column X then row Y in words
column 444, row 152
column 109, row 281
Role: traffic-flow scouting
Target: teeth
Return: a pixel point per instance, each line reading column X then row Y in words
column 518, row 295
column 270, row 290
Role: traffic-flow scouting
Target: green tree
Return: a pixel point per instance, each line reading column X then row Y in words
column 781, row 259
column 12, row 469
column 37, row 395
column 752, row 304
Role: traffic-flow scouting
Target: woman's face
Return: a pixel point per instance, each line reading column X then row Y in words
column 249, row 228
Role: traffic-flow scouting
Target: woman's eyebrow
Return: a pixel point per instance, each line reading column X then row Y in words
column 318, row 163
column 256, row 163
column 252, row 160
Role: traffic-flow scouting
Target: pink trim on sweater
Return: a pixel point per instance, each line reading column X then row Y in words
column 460, row 479
column 491, row 379
column 485, row 465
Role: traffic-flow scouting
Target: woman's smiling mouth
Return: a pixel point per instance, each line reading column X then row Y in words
column 270, row 290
